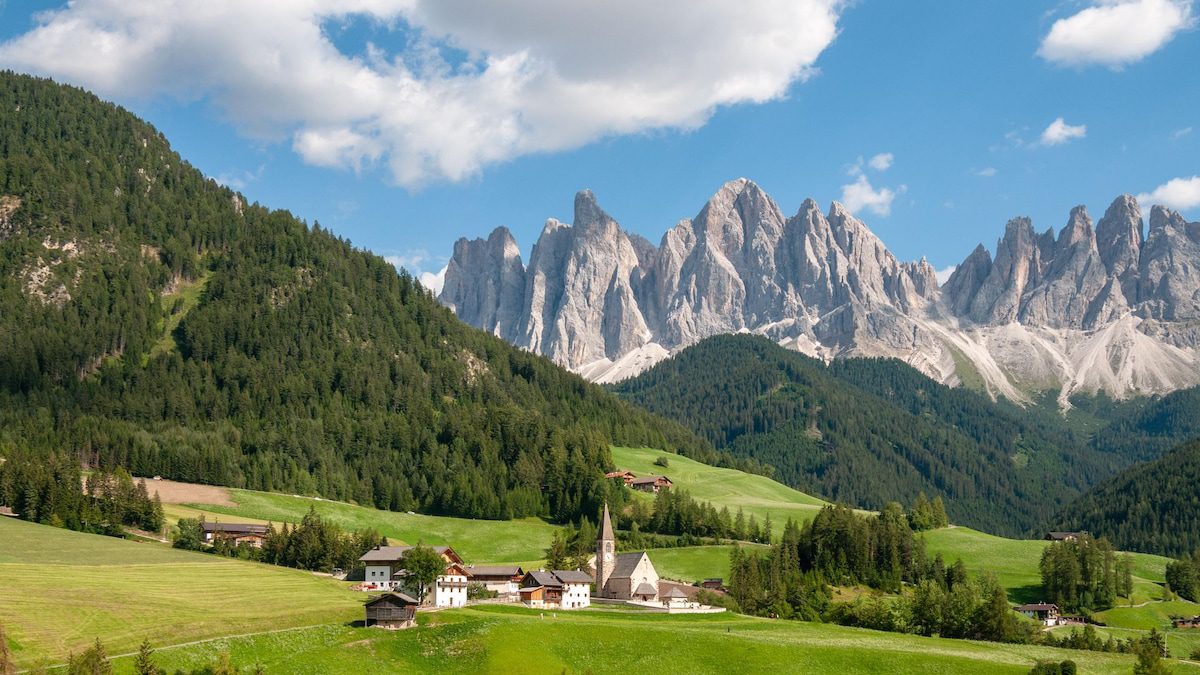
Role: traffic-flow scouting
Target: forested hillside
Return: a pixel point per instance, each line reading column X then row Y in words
column 154, row 320
column 1152, row 507
column 867, row 431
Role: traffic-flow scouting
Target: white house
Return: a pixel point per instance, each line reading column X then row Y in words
column 384, row 570
column 560, row 589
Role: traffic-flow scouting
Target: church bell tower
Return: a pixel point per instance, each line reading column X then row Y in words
column 606, row 546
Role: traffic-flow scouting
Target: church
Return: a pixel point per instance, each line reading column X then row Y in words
column 624, row 576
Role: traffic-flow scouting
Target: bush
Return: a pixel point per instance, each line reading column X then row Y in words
column 663, row 462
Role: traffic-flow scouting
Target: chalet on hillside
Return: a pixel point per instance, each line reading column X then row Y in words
column 1047, row 614
column 235, row 533
column 651, row 483
column 714, row 584
column 391, row 610
column 1064, row 536
column 505, row 580
column 559, row 589
column 1184, row 622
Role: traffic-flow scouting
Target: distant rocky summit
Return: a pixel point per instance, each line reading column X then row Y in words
column 1095, row 308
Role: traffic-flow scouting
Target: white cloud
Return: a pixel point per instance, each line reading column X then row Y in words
column 1060, row 132
column 882, row 161
column 861, row 194
column 417, row 263
column 478, row 82
column 1180, row 133
column 943, row 275
column 1115, row 32
column 1178, row 193
column 433, row 281
column 986, row 172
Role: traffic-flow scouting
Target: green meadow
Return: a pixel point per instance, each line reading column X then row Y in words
column 757, row 495
column 495, row 639
column 59, row 590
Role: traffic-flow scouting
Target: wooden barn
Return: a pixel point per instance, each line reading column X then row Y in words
column 391, row 610
column 1185, row 622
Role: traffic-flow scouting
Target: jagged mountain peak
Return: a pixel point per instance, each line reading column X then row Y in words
column 1089, row 307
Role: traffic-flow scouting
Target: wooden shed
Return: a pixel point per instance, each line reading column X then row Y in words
column 391, row 610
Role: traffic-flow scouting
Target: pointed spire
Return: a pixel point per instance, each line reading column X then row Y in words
column 606, row 531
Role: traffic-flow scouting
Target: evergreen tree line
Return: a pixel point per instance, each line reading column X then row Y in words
column 870, row 431
column 1085, row 574
column 51, row 490
column 184, row 333
column 1183, row 577
column 312, row 544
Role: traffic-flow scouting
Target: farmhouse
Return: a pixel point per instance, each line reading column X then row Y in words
column 391, row 610
column 626, row 476
column 1184, row 622
column 505, row 580
column 650, row 483
column 714, row 584
column 1064, row 536
column 1047, row 614
column 384, row 569
column 559, row 589
column 627, row 576
column 235, row 533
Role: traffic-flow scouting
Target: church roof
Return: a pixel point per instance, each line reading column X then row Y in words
column 625, row 564
column 645, row 589
column 606, row 531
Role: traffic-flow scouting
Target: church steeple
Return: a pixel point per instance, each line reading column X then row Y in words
column 606, row 546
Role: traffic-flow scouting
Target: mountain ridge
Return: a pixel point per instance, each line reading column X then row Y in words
column 1093, row 308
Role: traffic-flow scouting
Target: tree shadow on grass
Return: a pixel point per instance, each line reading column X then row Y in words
column 1026, row 594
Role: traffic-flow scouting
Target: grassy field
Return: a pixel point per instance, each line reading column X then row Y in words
column 756, row 495
column 693, row 563
column 478, row 541
column 507, row 640
column 1015, row 562
column 59, row 590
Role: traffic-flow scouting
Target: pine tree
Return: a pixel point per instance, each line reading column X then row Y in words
column 143, row 663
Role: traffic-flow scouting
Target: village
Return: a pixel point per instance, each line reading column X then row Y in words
column 609, row 578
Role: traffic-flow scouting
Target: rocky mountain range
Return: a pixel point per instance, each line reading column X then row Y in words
column 1097, row 307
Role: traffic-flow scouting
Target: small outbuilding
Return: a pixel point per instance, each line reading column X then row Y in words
column 392, row 610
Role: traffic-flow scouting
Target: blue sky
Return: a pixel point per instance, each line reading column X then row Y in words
column 988, row 109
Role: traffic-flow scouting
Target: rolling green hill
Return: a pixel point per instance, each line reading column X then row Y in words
column 510, row 640
column 121, row 592
column 62, row 589
column 868, row 431
column 155, row 321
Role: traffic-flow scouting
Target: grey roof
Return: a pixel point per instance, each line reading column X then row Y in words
column 675, row 592
column 495, row 570
column 625, row 564
column 606, row 531
column 394, row 553
column 645, row 589
column 544, row 578
column 402, row 597
column 1037, row 607
column 649, row 479
column 573, row 576
column 1058, row 536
